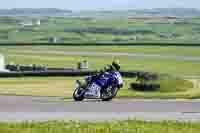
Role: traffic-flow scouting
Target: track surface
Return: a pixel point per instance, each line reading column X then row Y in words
column 25, row 108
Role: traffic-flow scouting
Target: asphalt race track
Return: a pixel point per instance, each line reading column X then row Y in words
column 27, row 108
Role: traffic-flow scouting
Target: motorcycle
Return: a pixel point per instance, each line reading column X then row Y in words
column 107, row 92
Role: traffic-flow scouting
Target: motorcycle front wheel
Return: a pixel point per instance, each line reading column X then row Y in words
column 78, row 94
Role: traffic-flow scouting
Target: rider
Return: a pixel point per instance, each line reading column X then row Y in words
column 110, row 75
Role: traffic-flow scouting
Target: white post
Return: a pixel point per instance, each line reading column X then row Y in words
column 2, row 64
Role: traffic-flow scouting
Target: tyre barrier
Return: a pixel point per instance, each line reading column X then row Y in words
column 130, row 74
column 144, row 87
column 18, row 68
column 44, row 74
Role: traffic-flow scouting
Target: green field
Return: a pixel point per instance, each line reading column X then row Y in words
column 52, row 56
column 129, row 126
column 99, row 30
column 64, row 87
column 55, row 58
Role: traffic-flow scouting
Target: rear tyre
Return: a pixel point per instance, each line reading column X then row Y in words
column 78, row 94
column 109, row 93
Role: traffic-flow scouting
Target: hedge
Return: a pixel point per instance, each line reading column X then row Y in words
column 102, row 44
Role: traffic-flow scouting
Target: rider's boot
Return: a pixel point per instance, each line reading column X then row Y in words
column 96, row 93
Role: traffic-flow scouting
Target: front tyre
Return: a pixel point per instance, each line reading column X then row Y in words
column 78, row 94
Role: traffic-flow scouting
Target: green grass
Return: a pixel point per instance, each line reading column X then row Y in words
column 166, row 50
column 55, row 26
column 170, row 89
column 22, row 55
column 129, row 126
column 57, row 86
column 64, row 87
column 47, row 86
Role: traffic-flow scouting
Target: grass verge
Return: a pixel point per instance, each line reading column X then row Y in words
column 56, row 58
column 129, row 126
column 64, row 86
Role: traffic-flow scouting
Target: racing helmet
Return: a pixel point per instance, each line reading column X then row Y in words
column 115, row 65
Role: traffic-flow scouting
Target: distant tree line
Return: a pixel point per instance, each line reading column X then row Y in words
column 18, row 11
column 8, row 20
column 113, row 31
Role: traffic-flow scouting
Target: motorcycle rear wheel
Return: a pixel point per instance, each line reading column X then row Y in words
column 104, row 92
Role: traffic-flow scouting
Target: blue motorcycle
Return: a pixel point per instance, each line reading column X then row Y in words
column 104, row 87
